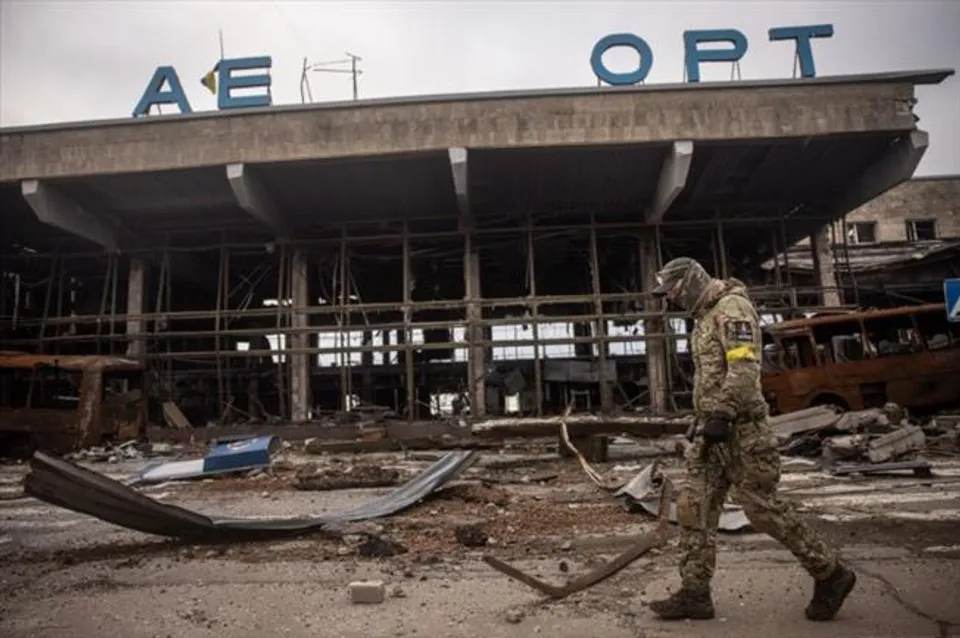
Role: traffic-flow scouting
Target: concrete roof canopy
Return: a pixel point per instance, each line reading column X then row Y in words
column 807, row 149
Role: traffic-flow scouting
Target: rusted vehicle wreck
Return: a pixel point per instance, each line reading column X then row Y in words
column 856, row 360
column 59, row 404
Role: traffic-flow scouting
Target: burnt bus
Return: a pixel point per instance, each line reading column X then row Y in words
column 59, row 404
column 861, row 359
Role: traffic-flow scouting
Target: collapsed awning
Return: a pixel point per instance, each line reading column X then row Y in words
column 67, row 485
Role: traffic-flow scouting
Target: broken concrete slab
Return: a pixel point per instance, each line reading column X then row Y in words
column 849, row 446
column 919, row 467
column 896, row 444
column 793, row 424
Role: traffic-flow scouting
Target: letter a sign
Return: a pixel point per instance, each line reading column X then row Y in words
column 951, row 295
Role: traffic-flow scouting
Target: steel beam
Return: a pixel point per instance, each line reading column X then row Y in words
column 252, row 196
column 56, row 209
column 673, row 177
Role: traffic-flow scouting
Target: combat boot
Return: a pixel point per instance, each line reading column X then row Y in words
column 830, row 592
column 695, row 604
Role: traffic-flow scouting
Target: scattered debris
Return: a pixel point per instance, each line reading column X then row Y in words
column 397, row 591
column 525, row 479
column 643, row 545
column 514, row 616
column 877, row 436
column 582, row 424
column 345, row 476
column 645, row 489
column 919, row 467
column 795, row 424
column 896, row 444
column 375, row 546
column 471, row 535
column 70, row 486
column 367, row 592
column 591, row 473
column 174, row 417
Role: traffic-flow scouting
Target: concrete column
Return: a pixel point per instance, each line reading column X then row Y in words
column 366, row 360
column 657, row 381
column 606, row 383
column 299, row 363
column 476, row 356
column 821, row 247
column 136, row 283
column 476, row 359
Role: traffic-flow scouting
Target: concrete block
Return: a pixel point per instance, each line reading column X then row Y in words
column 367, row 592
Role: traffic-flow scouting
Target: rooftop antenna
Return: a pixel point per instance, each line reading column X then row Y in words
column 321, row 67
column 305, row 90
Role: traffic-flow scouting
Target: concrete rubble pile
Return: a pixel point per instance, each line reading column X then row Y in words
column 864, row 441
column 129, row 450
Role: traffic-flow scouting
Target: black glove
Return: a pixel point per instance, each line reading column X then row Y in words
column 716, row 429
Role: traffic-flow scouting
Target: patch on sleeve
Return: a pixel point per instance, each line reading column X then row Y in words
column 740, row 344
column 740, row 332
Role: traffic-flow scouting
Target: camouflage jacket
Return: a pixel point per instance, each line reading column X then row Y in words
column 726, row 349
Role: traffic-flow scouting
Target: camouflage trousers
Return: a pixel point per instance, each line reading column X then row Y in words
column 747, row 467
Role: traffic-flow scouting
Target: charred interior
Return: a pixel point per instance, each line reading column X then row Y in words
column 479, row 308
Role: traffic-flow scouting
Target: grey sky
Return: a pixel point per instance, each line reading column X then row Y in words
column 80, row 60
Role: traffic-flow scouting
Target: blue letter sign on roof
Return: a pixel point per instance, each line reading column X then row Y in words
column 154, row 93
column 735, row 49
column 229, row 81
column 802, row 35
column 613, row 40
column 693, row 55
column 951, row 295
column 222, row 81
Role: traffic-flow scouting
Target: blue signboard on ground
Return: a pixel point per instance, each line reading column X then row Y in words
column 235, row 456
column 951, row 295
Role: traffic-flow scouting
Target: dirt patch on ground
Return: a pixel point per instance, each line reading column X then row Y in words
column 912, row 535
column 266, row 481
column 344, row 477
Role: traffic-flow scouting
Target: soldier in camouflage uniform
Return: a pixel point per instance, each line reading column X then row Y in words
column 733, row 447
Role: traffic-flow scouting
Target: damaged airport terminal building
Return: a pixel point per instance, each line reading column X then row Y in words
column 485, row 254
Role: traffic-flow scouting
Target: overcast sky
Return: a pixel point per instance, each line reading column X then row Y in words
column 64, row 60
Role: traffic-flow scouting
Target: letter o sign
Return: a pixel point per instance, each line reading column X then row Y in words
column 608, row 42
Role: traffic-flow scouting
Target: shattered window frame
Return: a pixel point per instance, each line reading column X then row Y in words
column 913, row 229
column 864, row 232
column 38, row 388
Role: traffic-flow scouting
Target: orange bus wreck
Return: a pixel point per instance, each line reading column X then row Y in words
column 59, row 404
column 861, row 359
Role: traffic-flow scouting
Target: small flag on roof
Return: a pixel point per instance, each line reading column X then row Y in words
column 210, row 79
